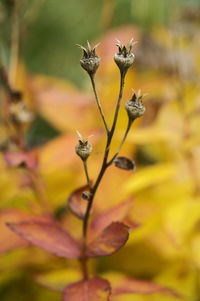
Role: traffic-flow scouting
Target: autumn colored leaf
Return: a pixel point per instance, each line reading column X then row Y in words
column 134, row 286
column 58, row 279
column 116, row 213
column 109, row 241
column 57, row 99
column 95, row 289
column 77, row 204
column 149, row 176
column 21, row 159
column 8, row 239
column 124, row 163
column 47, row 236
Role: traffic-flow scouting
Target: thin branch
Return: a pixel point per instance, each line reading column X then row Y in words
column 104, row 163
column 118, row 102
column 83, row 261
column 122, row 142
column 87, row 175
column 98, row 103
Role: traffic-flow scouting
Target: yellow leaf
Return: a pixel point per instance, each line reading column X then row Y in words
column 149, row 176
column 57, row 280
column 181, row 218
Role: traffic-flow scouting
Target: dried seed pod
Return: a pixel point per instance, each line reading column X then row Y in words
column 90, row 61
column 134, row 106
column 124, row 163
column 124, row 58
column 83, row 148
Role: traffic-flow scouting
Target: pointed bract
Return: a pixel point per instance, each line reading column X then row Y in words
column 90, row 61
column 134, row 106
column 124, row 58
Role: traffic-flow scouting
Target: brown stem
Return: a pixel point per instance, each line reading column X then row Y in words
column 102, row 170
column 118, row 102
column 122, row 142
column 104, row 163
column 87, row 175
column 98, row 103
column 84, row 264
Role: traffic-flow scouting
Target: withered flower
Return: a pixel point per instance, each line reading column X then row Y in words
column 134, row 106
column 90, row 61
column 124, row 58
column 83, row 148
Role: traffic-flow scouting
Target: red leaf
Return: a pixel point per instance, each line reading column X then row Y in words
column 47, row 236
column 22, row 159
column 109, row 241
column 134, row 286
column 95, row 289
column 76, row 203
column 117, row 213
column 8, row 239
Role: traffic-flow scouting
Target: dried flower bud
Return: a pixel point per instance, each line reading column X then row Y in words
column 83, row 148
column 134, row 106
column 20, row 113
column 124, row 58
column 90, row 61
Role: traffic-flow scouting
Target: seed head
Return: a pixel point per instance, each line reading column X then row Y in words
column 124, row 58
column 90, row 61
column 134, row 106
column 83, row 148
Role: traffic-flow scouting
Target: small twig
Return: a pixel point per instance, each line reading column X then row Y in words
column 87, row 175
column 118, row 102
column 122, row 142
column 98, row 103
column 83, row 260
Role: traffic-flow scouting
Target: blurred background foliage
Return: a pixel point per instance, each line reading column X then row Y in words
column 165, row 143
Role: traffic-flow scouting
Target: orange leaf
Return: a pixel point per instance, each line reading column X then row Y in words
column 76, row 203
column 47, row 236
column 134, row 286
column 8, row 239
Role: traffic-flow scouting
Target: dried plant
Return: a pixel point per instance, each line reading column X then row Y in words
column 107, row 232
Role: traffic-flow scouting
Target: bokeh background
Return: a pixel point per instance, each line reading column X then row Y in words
column 164, row 245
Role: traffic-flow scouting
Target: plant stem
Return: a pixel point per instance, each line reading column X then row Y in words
column 102, row 170
column 104, row 163
column 87, row 175
column 118, row 102
column 99, row 103
column 122, row 142
column 14, row 53
column 84, row 265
